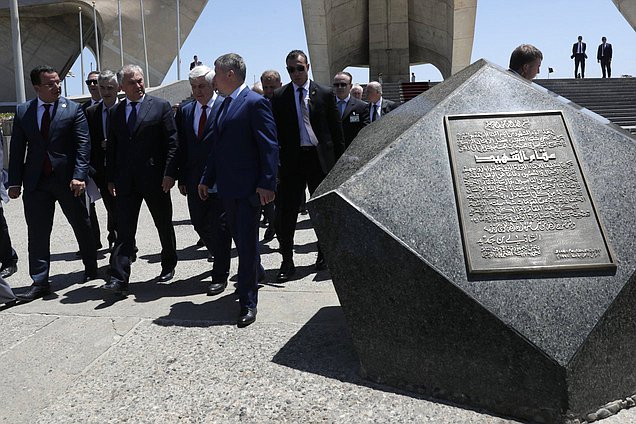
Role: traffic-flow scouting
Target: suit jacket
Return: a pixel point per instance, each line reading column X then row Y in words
column 68, row 146
column 193, row 153
column 387, row 106
column 98, row 151
column 354, row 118
column 325, row 121
column 140, row 160
column 608, row 52
column 244, row 153
column 575, row 48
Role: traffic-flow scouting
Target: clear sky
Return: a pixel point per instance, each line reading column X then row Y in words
column 263, row 32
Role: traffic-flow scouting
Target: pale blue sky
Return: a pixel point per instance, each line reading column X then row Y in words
column 263, row 32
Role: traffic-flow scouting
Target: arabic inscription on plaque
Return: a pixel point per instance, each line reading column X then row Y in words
column 522, row 198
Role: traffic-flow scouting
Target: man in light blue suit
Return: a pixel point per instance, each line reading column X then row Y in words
column 53, row 133
column 243, row 164
column 195, row 123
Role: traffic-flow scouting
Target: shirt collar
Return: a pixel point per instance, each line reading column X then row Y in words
column 210, row 102
column 40, row 102
column 305, row 86
column 105, row 108
column 379, row 102
column 346, row 99
column 128, row 101
column 236, row 92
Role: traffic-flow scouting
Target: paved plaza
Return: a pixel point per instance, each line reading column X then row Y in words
column 170, row 354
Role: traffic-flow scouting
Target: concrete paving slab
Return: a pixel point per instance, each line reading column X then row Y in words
column 39, row 368
column 17, row 328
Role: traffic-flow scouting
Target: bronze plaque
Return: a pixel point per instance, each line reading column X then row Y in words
column 522, row 199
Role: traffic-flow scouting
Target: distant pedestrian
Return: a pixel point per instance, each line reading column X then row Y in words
column 579, row 56
column 195, row 62
column 412, row 76
column 356, row 91
column 604, row 57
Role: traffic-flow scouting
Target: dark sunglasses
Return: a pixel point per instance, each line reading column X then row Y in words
column 91, row 82
column 297, row 68
column 340, row 84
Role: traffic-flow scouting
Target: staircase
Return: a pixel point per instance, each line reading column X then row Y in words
column 612, row 98
column 411, row 90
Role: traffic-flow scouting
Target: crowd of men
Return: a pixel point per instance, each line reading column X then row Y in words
column 231, row 151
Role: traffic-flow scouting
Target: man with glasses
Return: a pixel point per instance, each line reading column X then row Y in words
column 53, row 133
column 354, row 113
column 311, row 141
column 96, row 98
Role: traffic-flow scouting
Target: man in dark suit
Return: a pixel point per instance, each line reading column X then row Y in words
column 96, row 98
column 311, row 141
column 52, row 131
column 196, row 62
column 8, row 256
column 579, row 56
column 354, row 113
column 242, row 164
column 141, row 165
column 378, row 106
column 97, row 117
column 604, row 57
column 195, row 122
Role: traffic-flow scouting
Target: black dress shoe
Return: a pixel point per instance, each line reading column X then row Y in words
column 34, row 292
column 286, row 271
column 216, row 287
column 246, row 317
column 270, row 233
column 321, row 264
column 8, row 270
column 117, row 287
column 89, row 275
column 166, row 275
column 210, row 257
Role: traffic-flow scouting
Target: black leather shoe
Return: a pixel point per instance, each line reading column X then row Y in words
column 34, row 292
column 210, row 257
column 8, row 270
column 216, row 287
column 166, row 275
column 247, row 316
column 89, row 275
column 269, row 235
column 321, row 264
column 286, row 271
column 116, row 287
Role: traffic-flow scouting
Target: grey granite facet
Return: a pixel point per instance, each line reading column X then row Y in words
column 544, row 348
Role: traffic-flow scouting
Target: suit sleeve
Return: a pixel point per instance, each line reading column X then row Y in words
column 364, row 114
column 17, row 149
column 335, row 125
column 182, row 151
column 264, row 132
column 83, row 146
column 172, row 141
column 111, row 146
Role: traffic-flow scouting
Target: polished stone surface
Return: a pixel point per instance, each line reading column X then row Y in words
column 532, row 347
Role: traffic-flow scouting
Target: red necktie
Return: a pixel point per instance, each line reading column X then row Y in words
column 202, row 120
column 45, row 125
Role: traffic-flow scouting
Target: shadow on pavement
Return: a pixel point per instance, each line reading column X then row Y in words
column 220, row 311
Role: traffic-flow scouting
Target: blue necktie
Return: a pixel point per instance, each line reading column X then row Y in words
column 132, row 118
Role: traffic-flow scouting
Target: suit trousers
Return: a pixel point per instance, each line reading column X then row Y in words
column 242, row 217
column 94, row 224
column 209, row 220
column 128, row 207
column 579, row 59
column 8, row 256
column 111, row 213
column 292, row 191
column 606, row 68
column 39, row 211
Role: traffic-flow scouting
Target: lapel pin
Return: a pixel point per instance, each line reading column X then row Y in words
column 63, row 104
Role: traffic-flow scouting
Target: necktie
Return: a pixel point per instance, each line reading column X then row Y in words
column 132, row 118
column 220, row 117
column 580, row 48
column 341, row 106
column 309, row 132
column 45, row 125
column 202, row 120
column 375, row 113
